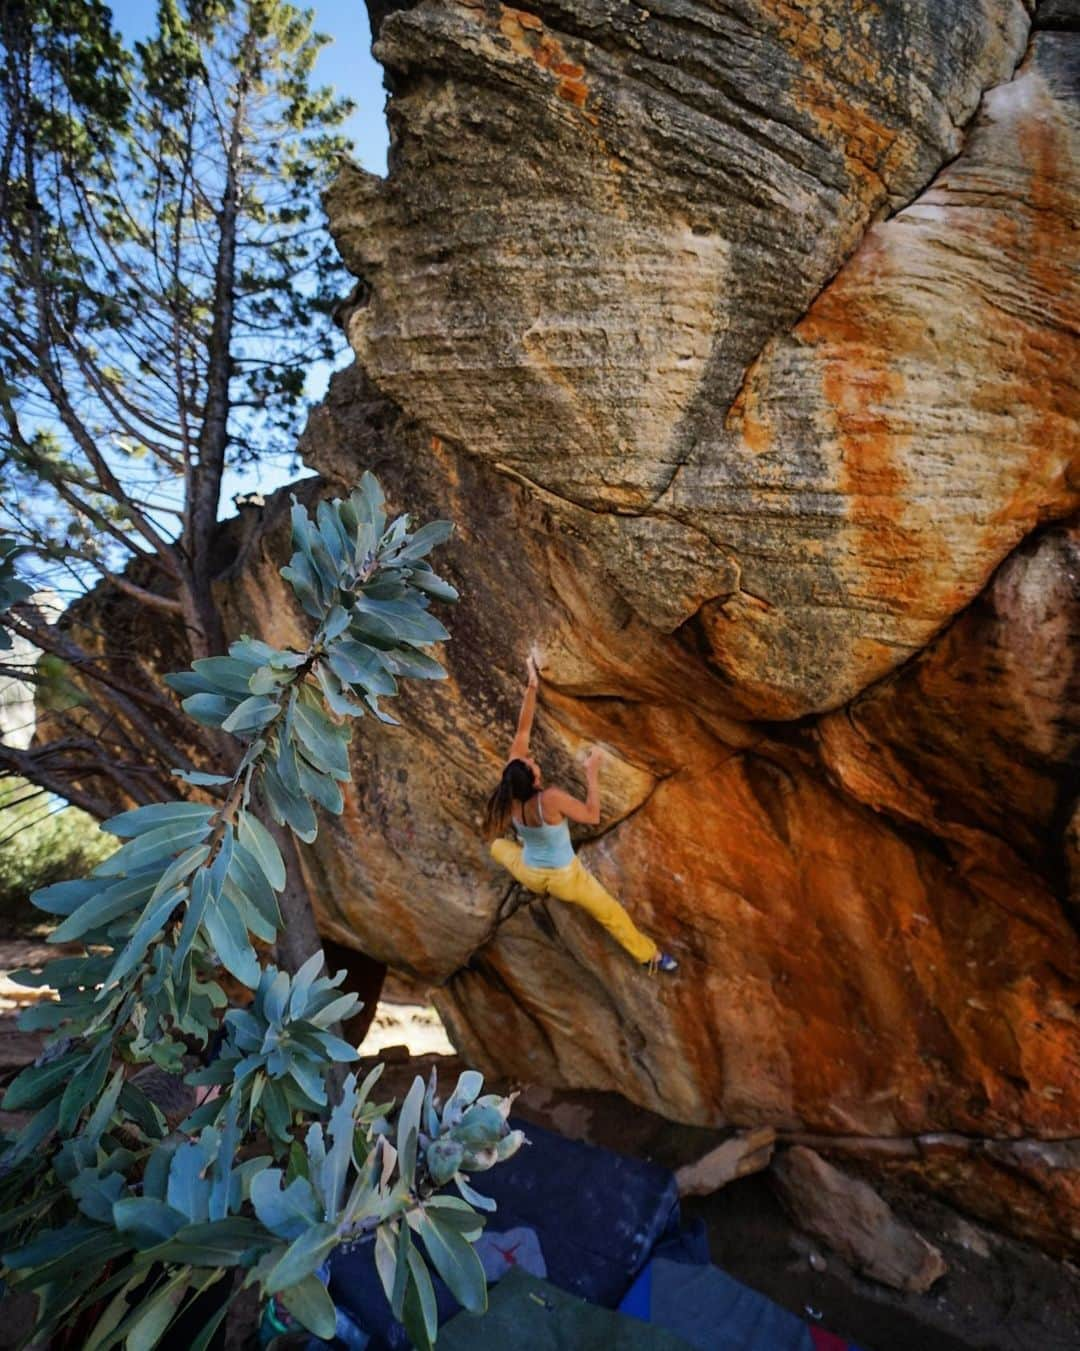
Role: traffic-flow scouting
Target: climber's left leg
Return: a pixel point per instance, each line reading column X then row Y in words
column 508, row 855
column 577, row 885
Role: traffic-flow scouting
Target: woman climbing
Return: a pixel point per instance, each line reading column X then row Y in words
column 544, row 862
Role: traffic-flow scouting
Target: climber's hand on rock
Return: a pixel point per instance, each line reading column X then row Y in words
column 532, row 666
column 592, row 760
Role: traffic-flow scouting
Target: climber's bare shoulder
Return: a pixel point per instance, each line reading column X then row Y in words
column 559, row 804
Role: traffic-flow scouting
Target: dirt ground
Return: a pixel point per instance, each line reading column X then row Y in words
column 998, row 1294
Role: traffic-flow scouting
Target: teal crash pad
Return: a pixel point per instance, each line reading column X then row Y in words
column 532, row 1315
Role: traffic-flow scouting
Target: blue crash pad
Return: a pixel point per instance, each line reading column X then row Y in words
column 598, row 1214
column 527, row 1314
column 707, row 1309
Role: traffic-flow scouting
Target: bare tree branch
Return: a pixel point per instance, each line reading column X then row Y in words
column 56, row 780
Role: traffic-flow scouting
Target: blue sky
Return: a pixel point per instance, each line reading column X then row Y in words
column 347, row 64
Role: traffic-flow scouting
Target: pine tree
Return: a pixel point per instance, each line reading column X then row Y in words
column 165, row 284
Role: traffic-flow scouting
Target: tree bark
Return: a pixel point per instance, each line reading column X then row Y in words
column 299, row 937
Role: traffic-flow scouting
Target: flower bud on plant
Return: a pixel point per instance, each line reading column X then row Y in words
column 480, row 1127
column 444, row 1159
column 509, row 1145
column 502, row 1105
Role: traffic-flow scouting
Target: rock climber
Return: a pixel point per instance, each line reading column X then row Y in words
column 543, row 861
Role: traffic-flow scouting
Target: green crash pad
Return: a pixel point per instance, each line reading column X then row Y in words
column 529, row 1314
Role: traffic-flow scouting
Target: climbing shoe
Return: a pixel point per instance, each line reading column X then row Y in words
column 663, row 961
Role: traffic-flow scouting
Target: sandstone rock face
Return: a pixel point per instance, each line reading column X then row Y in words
column 951, row 330
column 599, row 289
column 740, row 342
column 995, row 773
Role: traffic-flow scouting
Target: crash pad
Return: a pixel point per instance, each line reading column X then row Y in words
column 528, row 1314
column 597, row 1216
column 707, row 1309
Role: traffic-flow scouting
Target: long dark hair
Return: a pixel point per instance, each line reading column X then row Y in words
column 516, row 785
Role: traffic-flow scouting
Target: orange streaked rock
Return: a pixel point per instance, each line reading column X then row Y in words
column 871, row 511
column 756, row 398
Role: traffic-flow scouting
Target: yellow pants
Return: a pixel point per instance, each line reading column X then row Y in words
column 576, row 885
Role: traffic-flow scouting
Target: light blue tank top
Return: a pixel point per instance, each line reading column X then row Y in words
column 545, row 846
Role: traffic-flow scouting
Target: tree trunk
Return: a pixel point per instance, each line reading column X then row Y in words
column 214, row 433
column 298, row 937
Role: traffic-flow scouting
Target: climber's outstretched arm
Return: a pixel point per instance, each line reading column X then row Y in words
column 519, row 747
column 587, row 812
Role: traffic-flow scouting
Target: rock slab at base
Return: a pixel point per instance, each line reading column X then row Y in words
column 848, row 1216
column 747, row 1152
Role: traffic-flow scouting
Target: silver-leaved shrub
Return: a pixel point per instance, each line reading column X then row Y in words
column 101, row 1206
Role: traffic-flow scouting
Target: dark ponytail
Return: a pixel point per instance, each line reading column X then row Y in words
column 516, row 785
